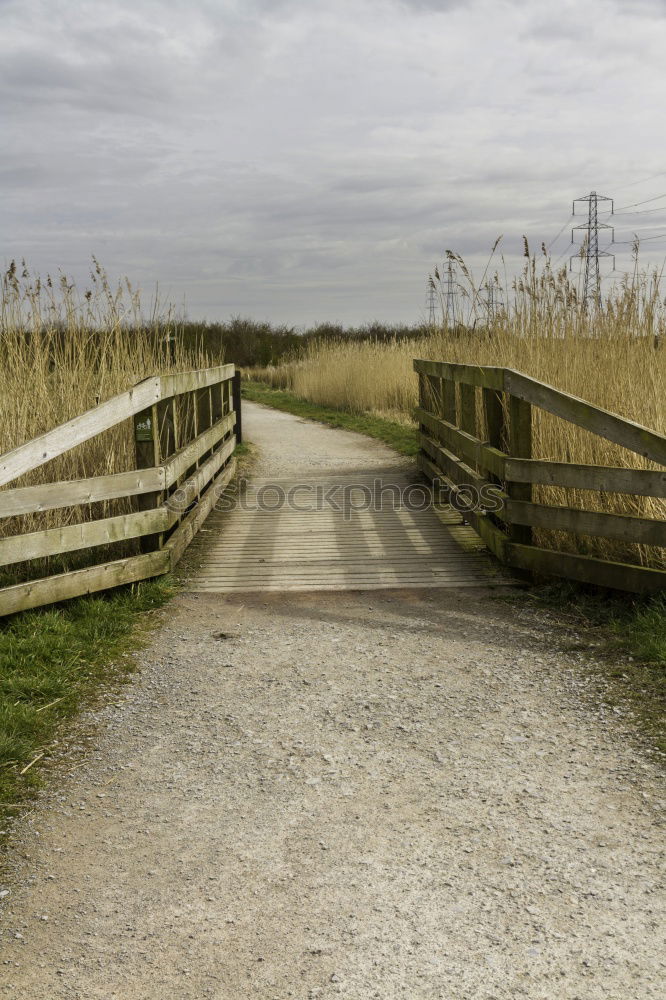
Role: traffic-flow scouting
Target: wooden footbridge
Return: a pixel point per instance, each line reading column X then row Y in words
column 66, row 538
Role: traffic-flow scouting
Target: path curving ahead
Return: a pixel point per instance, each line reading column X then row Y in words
column 385, row 794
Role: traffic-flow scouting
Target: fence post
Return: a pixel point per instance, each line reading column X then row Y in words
column 520, row 446
column 449, row 401
column 236, row 398
column 492, row 404
column 434, row 398
column 468, row 408
column 147, row 451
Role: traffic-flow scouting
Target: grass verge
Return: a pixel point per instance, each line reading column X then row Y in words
column 400, row 437
column 623, row 641
column 51, row 661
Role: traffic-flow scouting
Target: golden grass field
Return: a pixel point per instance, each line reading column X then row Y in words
column 60, row 354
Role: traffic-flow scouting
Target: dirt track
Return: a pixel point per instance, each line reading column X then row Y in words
column 394, row 794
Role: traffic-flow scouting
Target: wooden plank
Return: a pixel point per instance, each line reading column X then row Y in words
column 378, row 549
column 175, row 385
column 488, row 376
column 482, row 455
column 640, row 482
column 460, row 476
column 456, row 470
column 626, row 528
column 578, row 411
column 50, row 590
column 179, row 501
column 87, row 425
column 492, row 536
column 618, row 576
column 186, row 531
column 53, row 541
column 188, row 455
column 520, row 446
column 237, row 406
column 51, row 496
column 284, row 587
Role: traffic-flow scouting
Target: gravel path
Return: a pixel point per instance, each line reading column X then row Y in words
column 394, row 794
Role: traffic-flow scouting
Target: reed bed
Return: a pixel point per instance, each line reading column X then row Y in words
column 611, row 353
column 62, row 351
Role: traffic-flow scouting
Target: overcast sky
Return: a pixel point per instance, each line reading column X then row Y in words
column 306, row 160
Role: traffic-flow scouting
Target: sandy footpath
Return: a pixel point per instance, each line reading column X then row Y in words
column 361, row 795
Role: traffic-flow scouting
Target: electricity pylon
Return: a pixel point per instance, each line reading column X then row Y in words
column 451, row 296
column 590, row 248
column 494, row 302
column 430, row 286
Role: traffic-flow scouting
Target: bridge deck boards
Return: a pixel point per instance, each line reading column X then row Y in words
column 336, row 549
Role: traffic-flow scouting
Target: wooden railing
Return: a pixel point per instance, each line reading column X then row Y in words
column 476, row 430
column 186, row 427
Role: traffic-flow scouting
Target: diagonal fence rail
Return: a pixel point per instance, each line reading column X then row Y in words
column 476, row 435
column 185, row 427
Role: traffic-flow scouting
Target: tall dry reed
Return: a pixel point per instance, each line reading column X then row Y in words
column 62, row 351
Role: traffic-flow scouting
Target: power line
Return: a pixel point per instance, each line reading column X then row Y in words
column 553, row 242
column 639, row 239
column 644, row 211
column 647, row 200
column 643, row 180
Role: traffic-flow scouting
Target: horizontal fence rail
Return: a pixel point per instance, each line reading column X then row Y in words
column 186, row 427
column 476, row 431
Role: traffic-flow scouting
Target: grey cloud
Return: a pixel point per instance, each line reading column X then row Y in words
column 309, row 160
column 434, row 6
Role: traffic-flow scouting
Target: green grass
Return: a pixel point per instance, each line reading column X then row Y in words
column 400, row 437
column 54, row 659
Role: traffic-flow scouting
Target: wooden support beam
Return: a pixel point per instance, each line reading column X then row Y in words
column 449, row 401
column 520, row 446
column 593, row 418
column 618, row 576
column 190, row 525
column 176, row 385
column 51, row 496
column 187, row 457
column 488, row 376
column 600, row 478
column 56, row 442
column 482, row 456
column 468, row 409
column 623, row 527
column 72, row 537
column 237, row 406
column 49, row 590
column 147, row 451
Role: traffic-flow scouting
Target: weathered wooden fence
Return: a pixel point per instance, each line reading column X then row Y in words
column 476, row 430
column 186, row 427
